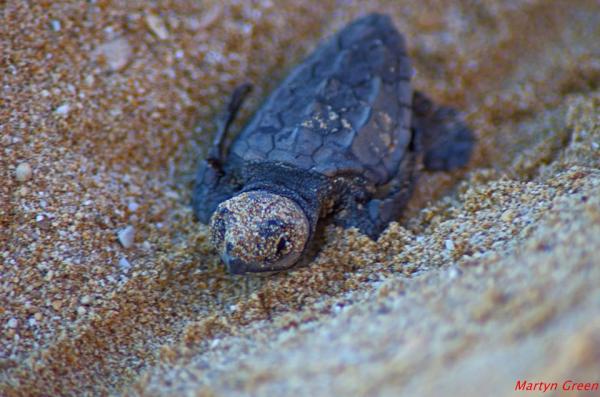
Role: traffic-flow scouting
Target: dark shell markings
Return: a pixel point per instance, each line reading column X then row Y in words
column 337, row 141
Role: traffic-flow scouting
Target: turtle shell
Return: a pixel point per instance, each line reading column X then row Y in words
column 345, row 110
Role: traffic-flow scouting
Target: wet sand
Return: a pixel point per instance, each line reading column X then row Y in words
column 490, row 277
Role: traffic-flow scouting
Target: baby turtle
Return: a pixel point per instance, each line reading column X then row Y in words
column 338, row 141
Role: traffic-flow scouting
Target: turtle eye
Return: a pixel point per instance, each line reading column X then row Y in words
column 281, row 245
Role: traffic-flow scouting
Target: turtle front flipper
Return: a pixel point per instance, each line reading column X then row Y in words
column 443, row 136
column 213, row 186
column 214, row 182
column 218, row 152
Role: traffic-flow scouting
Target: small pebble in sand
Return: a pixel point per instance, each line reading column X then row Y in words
column 23, row 172
column 132, row 206
column 449, row 245
column 12, row 323
column 56, row 304
column 116, row 53
column 85, row 300
column 454, row 272
column 124, row 264
column 126, row 236
column 156, row 24
column 55, row 25
column 507, row 216
column 63, row 109
column 89, row 80
column 81, row 310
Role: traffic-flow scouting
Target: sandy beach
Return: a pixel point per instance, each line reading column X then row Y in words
column 108, row 286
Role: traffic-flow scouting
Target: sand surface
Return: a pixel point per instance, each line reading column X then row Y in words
column 491, row 275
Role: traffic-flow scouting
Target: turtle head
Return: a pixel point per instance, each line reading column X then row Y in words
column 258, row 231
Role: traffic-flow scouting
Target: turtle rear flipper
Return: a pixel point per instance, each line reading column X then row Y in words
column 371, row 215
column 443, row 136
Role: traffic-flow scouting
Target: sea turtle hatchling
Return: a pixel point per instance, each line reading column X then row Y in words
column 337, row 141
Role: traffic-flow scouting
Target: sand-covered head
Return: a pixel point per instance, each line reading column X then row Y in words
column 258, row 231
